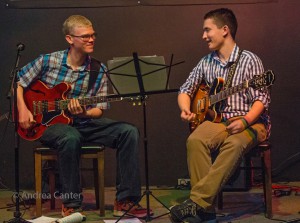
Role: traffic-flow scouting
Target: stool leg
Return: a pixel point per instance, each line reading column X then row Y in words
column 38, row 183
column 96, row 181
column 220, row 200
column 266, row 161
column 101, row 192
column 51, row 175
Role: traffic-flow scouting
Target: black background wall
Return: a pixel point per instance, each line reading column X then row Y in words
column 268, row 28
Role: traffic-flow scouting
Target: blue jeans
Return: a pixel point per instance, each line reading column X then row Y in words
column 68, row 139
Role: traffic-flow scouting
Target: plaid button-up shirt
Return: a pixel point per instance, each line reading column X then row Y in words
column 239, row 104
column 53, row 69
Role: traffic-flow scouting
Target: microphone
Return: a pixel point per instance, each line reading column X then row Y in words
column 20, row 46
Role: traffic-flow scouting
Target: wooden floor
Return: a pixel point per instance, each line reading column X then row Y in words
column 238, row 206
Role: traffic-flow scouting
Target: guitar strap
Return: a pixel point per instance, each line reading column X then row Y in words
column 94, row 71
column 232, row 71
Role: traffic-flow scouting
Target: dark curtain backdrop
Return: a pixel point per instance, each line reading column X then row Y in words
column 268, row 28
column 120, row 3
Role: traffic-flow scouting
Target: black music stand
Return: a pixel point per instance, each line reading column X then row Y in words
column 12, row 95
column 143, row 94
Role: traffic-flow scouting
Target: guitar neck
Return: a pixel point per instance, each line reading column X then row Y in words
column 222, row 95
column 63, row 104
column 58, row 105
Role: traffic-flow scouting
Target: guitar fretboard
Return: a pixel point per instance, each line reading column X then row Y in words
column 58, row 105
column 227, row 92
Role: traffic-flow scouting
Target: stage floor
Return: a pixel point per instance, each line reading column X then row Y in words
column 238, row 206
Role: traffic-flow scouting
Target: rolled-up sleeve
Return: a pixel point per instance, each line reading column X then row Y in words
column 30, row 72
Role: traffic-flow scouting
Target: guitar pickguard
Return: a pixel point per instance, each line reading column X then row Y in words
column 48, row 117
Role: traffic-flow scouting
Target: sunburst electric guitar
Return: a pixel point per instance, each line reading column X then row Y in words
column 208, row 101
column 49, row 106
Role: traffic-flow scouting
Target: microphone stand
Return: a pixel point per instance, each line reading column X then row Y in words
column 13, row 87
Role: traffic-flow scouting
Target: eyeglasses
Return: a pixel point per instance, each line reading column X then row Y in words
column 87, row 37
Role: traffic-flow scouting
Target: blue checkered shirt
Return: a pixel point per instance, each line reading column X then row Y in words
column 53, row 69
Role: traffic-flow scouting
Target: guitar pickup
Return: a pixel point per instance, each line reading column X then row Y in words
column 39, row 107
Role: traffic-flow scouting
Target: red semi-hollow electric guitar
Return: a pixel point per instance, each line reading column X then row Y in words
column 49, row 106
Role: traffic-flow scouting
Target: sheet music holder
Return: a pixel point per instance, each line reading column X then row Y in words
column 131, row 76
column 154, row 73
column 127, row 82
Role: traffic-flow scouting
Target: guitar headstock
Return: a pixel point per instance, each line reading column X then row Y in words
column 263, row 80
column 136, row 100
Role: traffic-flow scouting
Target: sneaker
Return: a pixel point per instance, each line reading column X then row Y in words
column 66, row 211
column 186, row 212
column 136, row 210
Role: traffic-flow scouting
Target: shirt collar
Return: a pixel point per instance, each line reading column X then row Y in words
column 232, row 58
column 85, row 66
column 234, row 54
column 65, row 56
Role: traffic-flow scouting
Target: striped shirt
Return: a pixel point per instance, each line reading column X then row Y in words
column 53, row 69
column 211, row 67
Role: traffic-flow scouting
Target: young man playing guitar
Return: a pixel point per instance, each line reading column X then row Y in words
column 243, row 122
column 72, row 70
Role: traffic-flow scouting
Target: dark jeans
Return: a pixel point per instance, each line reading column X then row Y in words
column 118, row 135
